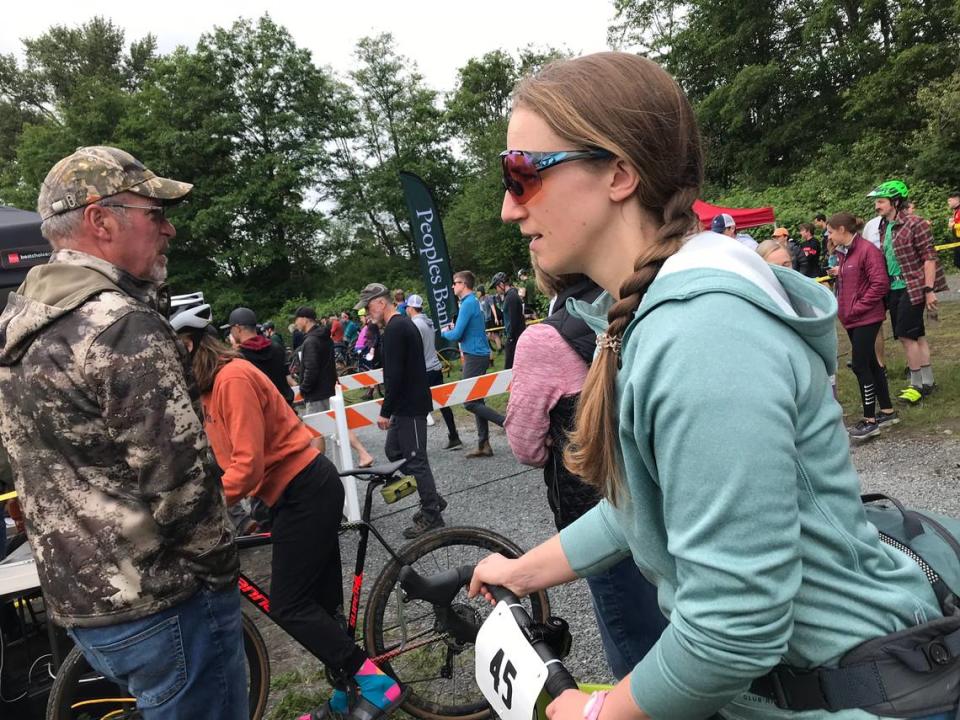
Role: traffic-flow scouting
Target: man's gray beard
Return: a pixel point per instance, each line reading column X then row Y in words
column 158, row 273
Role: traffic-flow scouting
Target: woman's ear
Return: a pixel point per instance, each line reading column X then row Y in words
column 187, row 342
column 623, row 181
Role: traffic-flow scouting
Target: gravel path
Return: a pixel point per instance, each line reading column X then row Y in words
column 507, row 497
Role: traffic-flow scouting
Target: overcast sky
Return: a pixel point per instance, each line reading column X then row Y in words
column 438, row 36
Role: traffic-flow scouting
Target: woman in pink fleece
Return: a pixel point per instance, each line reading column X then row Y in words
column 549, row 369
column 861, row 286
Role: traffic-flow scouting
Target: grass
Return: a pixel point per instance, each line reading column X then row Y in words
column 300, row 691
column 935, row 415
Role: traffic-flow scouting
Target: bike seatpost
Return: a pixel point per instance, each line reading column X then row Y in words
column 558, row 677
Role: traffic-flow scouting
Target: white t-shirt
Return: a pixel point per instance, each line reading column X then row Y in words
column 871, row 231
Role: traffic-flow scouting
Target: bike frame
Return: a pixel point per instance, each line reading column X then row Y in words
column 261, row 600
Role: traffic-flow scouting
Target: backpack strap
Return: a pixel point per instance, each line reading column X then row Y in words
column 911, row 524
column 829, row 689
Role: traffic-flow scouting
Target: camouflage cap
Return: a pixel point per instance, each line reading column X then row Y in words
column 93, row 173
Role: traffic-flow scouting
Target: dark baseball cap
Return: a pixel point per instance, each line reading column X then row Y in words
column 371, row 291
column 241, row 316
column 305, row 311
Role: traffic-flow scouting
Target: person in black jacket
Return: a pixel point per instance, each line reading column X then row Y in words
column 318, row 373
column 512, row 316
column 810, row 247
column 266, row 356
column 406, row 401
column 318, row 370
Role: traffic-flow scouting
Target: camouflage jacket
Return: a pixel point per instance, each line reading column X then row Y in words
column 110, row 461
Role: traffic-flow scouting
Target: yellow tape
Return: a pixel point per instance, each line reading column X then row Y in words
column 8, row 496
column 528, row 322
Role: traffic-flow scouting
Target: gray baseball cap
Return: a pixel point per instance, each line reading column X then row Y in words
column 371, row 291
column 97, row 172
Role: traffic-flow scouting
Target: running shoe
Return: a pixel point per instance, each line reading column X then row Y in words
column 927, row 390
column 423, row 526
column 453, row 443
column 910, row 395
column 418, row 515
column 863, row 430
column 887, row 420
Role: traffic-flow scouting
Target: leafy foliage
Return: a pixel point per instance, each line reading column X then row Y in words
column 803, row 105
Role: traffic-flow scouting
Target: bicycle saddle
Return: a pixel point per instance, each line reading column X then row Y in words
column 385, row 470
column 439, row 589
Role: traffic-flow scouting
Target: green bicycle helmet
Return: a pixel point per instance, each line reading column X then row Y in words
column 892, row 189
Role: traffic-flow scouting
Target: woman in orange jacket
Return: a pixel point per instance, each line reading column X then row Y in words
column 265, row 451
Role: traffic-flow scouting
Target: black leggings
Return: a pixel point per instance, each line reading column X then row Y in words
column 871, row 375
column 306, row 588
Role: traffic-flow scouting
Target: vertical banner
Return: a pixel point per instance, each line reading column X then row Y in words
column 431, row 247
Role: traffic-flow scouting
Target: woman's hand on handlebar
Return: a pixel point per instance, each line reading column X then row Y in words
column 569, row 706
column 494, row 569
column 543, row 567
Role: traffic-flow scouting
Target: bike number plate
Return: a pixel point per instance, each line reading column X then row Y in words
column 509, row 672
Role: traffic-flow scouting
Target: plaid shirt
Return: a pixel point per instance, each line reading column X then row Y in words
column 913, row 246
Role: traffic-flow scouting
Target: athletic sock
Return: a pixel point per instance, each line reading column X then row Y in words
column 338, row 701
column 376, row 686
column 926, row 374
column 916, row 378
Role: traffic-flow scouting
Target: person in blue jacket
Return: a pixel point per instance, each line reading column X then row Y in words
column 470, row 331
column 707, row 419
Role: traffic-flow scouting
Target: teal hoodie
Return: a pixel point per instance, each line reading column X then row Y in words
column 742, row 501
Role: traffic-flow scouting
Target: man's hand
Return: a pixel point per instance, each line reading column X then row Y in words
column 931, row 300
column 383, row 423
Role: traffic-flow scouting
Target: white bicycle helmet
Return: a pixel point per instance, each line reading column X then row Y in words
column 189, row 312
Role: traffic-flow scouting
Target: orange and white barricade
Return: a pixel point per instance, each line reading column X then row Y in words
column 335, row 422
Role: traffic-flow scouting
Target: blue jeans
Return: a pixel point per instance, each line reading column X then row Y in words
column 183, row 662
column 629, row 617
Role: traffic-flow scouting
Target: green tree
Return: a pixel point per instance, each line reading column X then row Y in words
column 73, row 88
column 397, row 126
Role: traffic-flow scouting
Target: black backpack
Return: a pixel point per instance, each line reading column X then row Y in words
column 911, row 673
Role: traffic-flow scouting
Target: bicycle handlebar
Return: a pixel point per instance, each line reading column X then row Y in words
column 441, row 588
column 558, row 677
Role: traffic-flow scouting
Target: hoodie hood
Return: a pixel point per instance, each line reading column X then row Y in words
column 257, row 343
column 709, row 263
column 54, row 290
column 425, row 319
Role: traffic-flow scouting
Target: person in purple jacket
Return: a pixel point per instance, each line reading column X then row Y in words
column 862, row 283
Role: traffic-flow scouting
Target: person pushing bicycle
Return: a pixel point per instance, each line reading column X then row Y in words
column 265, row 451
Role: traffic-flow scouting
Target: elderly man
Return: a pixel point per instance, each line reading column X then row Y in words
column 125, row 516
column 406, row 402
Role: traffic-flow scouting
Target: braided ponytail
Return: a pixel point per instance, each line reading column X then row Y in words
column 631, row 107
column 592, row 452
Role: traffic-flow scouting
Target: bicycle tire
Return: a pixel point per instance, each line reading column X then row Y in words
column 444, row 698
column 77, row 682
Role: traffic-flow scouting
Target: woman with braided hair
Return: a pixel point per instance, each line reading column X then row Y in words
column 706, row 421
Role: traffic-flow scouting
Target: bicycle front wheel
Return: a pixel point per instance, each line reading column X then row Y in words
column 403, row 638
column 81, row 693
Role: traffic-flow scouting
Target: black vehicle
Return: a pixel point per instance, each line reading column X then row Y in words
column 21, row 247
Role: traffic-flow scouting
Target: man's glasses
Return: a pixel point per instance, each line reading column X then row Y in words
column 157, row 213
column 521, row 169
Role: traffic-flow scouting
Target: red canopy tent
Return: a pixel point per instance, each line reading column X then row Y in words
column 744, row 217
